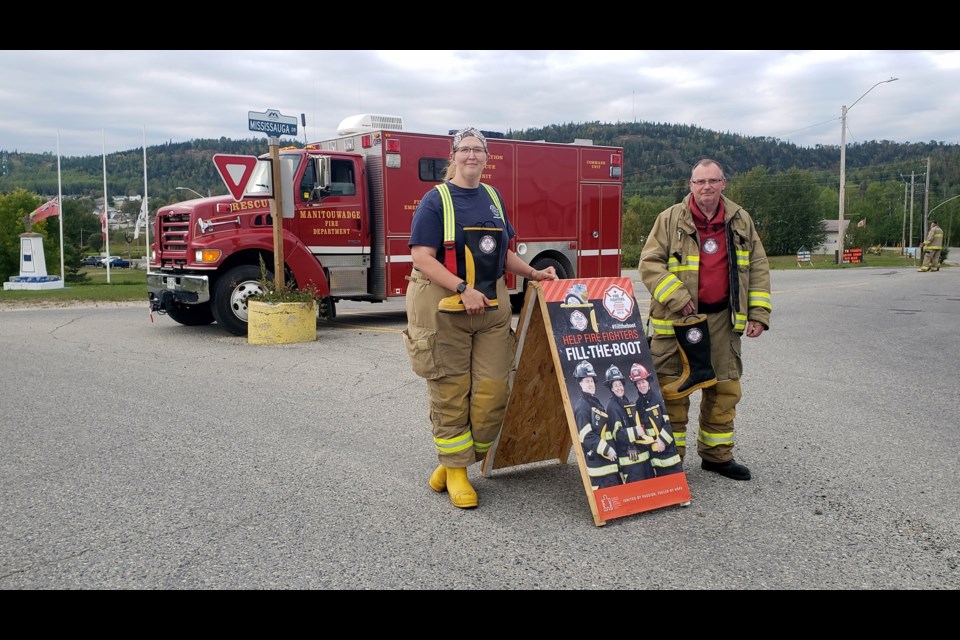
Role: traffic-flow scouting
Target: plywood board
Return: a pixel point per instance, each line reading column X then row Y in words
column 563, row 324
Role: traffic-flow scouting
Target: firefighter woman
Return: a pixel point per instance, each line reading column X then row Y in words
column 652, row 418
column 458, row 334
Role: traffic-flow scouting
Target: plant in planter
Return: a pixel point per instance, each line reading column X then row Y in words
column 280, row 315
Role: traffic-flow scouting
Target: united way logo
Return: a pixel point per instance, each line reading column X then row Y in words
column 710, row 246
column 618, row 303
column 488, row 244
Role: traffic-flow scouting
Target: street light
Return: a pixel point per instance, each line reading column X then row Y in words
column 940, row 205
column 199, row 195
column 843, row 164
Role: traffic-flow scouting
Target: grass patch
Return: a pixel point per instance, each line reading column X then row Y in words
column 130, row 285
column 126, row 285
column 885, row 259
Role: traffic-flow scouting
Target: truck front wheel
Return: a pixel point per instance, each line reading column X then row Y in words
column 230, row 295
column 190, row 315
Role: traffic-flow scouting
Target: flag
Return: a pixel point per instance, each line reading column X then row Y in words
column 141, row 220
column 44, row 211
column 862, row 223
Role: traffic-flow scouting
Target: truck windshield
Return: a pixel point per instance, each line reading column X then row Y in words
column 259, row 183
column 261, row 179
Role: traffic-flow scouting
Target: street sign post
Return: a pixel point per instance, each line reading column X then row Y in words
column 275, row 124
column 235, row 172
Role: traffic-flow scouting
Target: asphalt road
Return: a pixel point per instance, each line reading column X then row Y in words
column 147, row 455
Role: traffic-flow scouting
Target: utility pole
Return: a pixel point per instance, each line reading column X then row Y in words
column 926, row 199
column 911, row 209
column 903, row 228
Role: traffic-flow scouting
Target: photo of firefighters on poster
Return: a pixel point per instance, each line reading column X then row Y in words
column 622, row 425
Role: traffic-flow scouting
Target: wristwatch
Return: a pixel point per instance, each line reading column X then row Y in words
column 462, row 287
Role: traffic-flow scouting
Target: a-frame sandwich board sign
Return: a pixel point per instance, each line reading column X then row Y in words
column 570, row 331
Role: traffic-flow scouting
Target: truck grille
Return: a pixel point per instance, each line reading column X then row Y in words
column 174, row 231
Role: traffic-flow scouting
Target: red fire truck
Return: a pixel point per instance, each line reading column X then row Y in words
column 351, row 200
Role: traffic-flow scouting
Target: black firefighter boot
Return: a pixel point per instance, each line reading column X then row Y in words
column 693, row 338
column 480, row 255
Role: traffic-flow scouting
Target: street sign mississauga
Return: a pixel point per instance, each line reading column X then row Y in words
column 272, row 123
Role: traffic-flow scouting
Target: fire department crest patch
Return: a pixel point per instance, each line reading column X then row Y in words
column 488, row 244
column 694, row 335
column 710, row 246
column 617, row 303
column 578, row 321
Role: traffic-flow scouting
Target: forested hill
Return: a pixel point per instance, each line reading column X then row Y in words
column 657, row 157
column 657, row 160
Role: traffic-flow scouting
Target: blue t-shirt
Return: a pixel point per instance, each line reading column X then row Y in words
column 472, row 208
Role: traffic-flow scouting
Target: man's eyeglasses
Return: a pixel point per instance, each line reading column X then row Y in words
column 709, row 181
column 468, row 150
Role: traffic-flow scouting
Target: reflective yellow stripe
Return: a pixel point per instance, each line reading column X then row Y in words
column 740, row 322
column 496, row 201
column 743, row 258
column 449, row 219
column 662, row 327
column 667, row 286
column 482, row 447
column 692, row 264
column 759, row 299
column 714, row 439
column 606, row 469
column 681, row 437
column 665, row 462
column 453, row 445
column 665, row 436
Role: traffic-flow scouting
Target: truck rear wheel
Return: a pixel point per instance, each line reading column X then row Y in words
column 190, row 315
column 327, row 308
column 516, row 300
column 230, row 295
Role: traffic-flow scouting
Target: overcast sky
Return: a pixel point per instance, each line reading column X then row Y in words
column 117, row 98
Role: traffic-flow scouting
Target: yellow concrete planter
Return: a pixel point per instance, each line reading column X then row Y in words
column 281, row 322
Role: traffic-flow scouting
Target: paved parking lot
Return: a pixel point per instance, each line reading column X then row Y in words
column 148, row 455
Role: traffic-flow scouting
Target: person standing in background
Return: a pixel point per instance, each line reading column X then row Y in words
column 932, row 246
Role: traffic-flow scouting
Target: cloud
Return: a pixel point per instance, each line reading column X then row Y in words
column 94, row 98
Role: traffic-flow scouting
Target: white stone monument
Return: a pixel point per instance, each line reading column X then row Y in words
column 33, row 266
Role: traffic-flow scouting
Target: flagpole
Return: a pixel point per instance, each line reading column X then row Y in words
column 63, row 278
column 146, row 203
column 106, row 220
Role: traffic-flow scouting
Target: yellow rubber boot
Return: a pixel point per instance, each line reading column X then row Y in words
column 438, row 479
column 462, row 493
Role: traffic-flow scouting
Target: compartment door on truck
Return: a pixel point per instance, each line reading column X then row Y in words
column 336, row 229
column 599, row 237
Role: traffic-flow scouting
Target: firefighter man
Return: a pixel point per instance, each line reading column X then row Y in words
column 932, row 246
column 596, row 436
column 630, row 440
column 652, row 414
column 704, row 257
